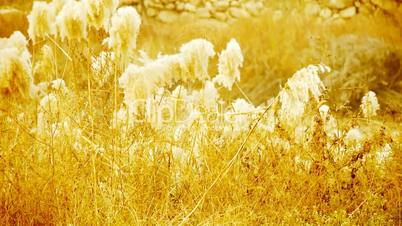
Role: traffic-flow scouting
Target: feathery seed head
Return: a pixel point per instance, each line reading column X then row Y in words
column 100, row 12
column 370, row 104
column 384, row 153
column 302, row 86
column 239, row 118
column 48, row 103
column 71, row 21
column 230, row 61
column 324, row 110
column 194, row 59
column 41, row 20
column 16, row 40
column 59, row 85
column 15, row 66
column 137, row 85
column 354, row 136
column 125, row 26
column 206, row 98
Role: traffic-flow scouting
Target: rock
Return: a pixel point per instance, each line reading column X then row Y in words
column 387, row 5
column 336, row 19
column 157, row 5
column 238, row 12
column 220, row 16
column 221, row 5
column 348, row 12
column 312, row 9
column 253, row 8
column 170, row 6
column 326, row 13
column 151, row 12
column 195, row 2
column 234, row 3
column 358, row 4
column 336, row 16
column 339, row 4
column 165, row 1
column 180, row 6
column 168, row 16
column 189, row 7
column 12, row 20
column 203, row 12
column 366, row 9
column 208, row 5
column 128, row 2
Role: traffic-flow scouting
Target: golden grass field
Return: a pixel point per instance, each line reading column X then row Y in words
column 73, row 152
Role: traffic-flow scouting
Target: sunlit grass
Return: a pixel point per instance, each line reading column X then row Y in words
column 89, row 164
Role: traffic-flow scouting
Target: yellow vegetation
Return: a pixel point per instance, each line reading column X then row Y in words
column 93, row 134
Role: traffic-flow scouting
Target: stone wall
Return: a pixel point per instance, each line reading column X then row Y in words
column 333, row 9
column 224, row 10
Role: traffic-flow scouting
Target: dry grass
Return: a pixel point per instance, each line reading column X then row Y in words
column 361, row 47
column 125, row 178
